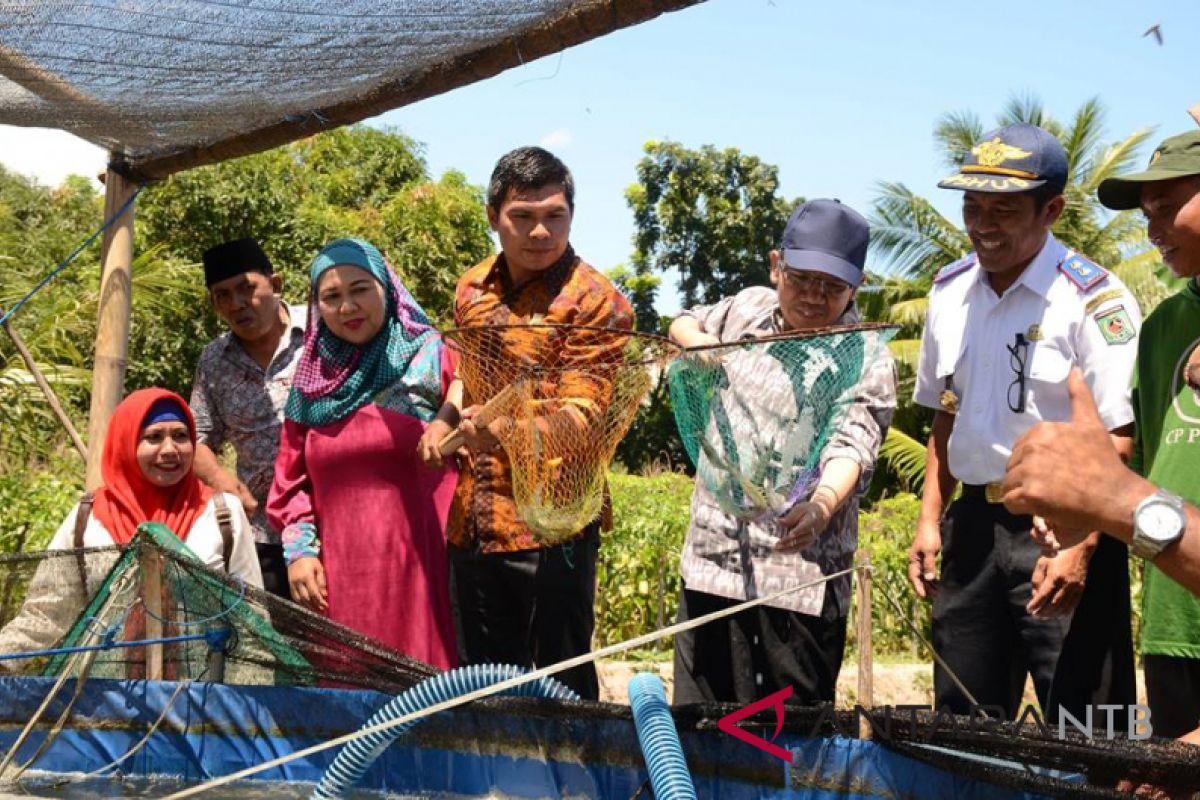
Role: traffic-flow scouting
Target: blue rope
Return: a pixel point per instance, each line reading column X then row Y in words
column 216, row 640
column 74, row 254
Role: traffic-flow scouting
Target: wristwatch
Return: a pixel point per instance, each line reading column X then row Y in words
column 1158, row 521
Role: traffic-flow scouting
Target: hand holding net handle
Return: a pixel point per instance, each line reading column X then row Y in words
column 486, row 416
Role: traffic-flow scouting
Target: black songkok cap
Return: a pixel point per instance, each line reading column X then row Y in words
column 233, row 258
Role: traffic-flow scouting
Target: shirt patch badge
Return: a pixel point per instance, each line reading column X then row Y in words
column 1081, row 272
column 1034, row 334
column 1115, row 325
column 1101, row 299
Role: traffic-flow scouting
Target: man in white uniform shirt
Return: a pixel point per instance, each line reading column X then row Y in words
column 1004, row 327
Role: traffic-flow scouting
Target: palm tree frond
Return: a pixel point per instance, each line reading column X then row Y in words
column 906, row 457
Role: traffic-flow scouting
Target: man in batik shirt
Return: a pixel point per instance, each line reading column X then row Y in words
column 242, row 384
column 798, row 640
column 520, row 601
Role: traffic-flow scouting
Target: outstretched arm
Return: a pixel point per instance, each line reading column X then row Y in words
column 1071, row 474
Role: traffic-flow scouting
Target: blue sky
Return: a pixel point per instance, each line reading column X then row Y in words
column 838, row 95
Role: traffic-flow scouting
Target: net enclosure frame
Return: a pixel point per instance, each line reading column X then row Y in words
column 126, row 76
column 565, row 395
column 167, row 85
column 755, row 453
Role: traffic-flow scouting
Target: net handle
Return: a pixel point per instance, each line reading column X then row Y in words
column 787, row 336
column 484, row 417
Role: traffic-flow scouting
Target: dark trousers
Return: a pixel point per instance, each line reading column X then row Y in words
column 987, row 638
column 755, row 653
column 1173, row 692
column 274, row 569
column 529, row 608
column 980, row 626
column 1096, row 665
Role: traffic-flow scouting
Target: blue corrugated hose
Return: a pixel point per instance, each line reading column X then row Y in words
column 669, row 776
column 354, row 759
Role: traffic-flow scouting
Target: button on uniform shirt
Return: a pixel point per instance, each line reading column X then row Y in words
column 237, row 401
column 571, row 292
column 1090, row 321
column 736, row 559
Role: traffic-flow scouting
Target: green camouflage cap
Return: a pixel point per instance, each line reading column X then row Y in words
column 1177, row 157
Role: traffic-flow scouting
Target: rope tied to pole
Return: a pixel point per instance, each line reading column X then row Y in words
column 108, row 223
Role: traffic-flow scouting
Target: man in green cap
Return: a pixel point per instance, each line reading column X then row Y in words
column 1166, row 406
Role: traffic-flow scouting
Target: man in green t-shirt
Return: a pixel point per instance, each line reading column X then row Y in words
column 1166, row 404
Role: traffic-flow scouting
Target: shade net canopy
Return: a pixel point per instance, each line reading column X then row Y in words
column 559, row 398
column 155, row 589
column 171, row 84
column 756, row 415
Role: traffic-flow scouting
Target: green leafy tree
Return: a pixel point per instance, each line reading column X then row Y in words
column 709, row 215
column 349, row 182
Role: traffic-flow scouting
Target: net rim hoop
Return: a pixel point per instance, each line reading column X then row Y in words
column 671, row 348
column 787, row 336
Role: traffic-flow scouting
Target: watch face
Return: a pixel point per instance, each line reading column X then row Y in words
column 1159, row 521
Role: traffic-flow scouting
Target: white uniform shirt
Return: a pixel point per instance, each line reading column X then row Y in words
column 51, row 608
column 968, row 330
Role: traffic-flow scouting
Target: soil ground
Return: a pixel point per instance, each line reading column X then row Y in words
column 895, row 684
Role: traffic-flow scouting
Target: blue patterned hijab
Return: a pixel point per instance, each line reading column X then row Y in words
column 400, row 367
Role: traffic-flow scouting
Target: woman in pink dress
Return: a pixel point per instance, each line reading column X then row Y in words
column 363, row 520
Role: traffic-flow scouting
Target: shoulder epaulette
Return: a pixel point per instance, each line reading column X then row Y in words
column 1084, row 273
column 950, row 270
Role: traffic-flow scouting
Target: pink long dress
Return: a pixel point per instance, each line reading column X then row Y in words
column 381, row 518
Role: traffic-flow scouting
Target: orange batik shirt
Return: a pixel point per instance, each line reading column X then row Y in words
column 571, row 292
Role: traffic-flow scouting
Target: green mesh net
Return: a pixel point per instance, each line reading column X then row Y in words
column 755, row 415
column 156, row 589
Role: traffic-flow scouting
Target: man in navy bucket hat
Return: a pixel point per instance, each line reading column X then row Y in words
column 797, row 642
column 1004, row 327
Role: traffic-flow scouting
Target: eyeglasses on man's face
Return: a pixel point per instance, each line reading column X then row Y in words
column 826, row 288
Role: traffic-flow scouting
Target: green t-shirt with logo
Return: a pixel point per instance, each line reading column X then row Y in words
column 1167, row 451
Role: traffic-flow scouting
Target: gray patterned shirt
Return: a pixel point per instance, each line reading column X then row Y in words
column 732, row 558
column 237, row 401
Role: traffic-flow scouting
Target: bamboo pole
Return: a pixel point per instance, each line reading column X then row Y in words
column 44, row 385
column 152, row 597
column 112, row 329
column 866, row 661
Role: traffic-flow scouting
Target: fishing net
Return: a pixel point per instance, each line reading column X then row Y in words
column 154, row 589
column 755, row 415
column 561, row 397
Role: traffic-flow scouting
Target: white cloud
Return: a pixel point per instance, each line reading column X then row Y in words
column 556, row 138
column 49, row 155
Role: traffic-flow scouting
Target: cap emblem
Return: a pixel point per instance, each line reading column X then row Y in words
column 996, row 152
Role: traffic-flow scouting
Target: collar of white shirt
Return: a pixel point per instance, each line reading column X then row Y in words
column 1039, row 276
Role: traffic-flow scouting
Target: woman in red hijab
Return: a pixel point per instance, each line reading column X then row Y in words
column 148, row 477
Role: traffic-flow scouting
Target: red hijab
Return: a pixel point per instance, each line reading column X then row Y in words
column 128, row 498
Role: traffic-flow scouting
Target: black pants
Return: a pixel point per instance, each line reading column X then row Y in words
column 987, row 638
column 1173, row 692
column 1096, row 666
column 529, row 608
column 980, row 625
column 756, row 652
column 274, row 569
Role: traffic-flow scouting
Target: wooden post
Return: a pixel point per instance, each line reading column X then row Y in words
column 44, row 385
column 866, row 684
column 112, row 329
column 152, row 596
